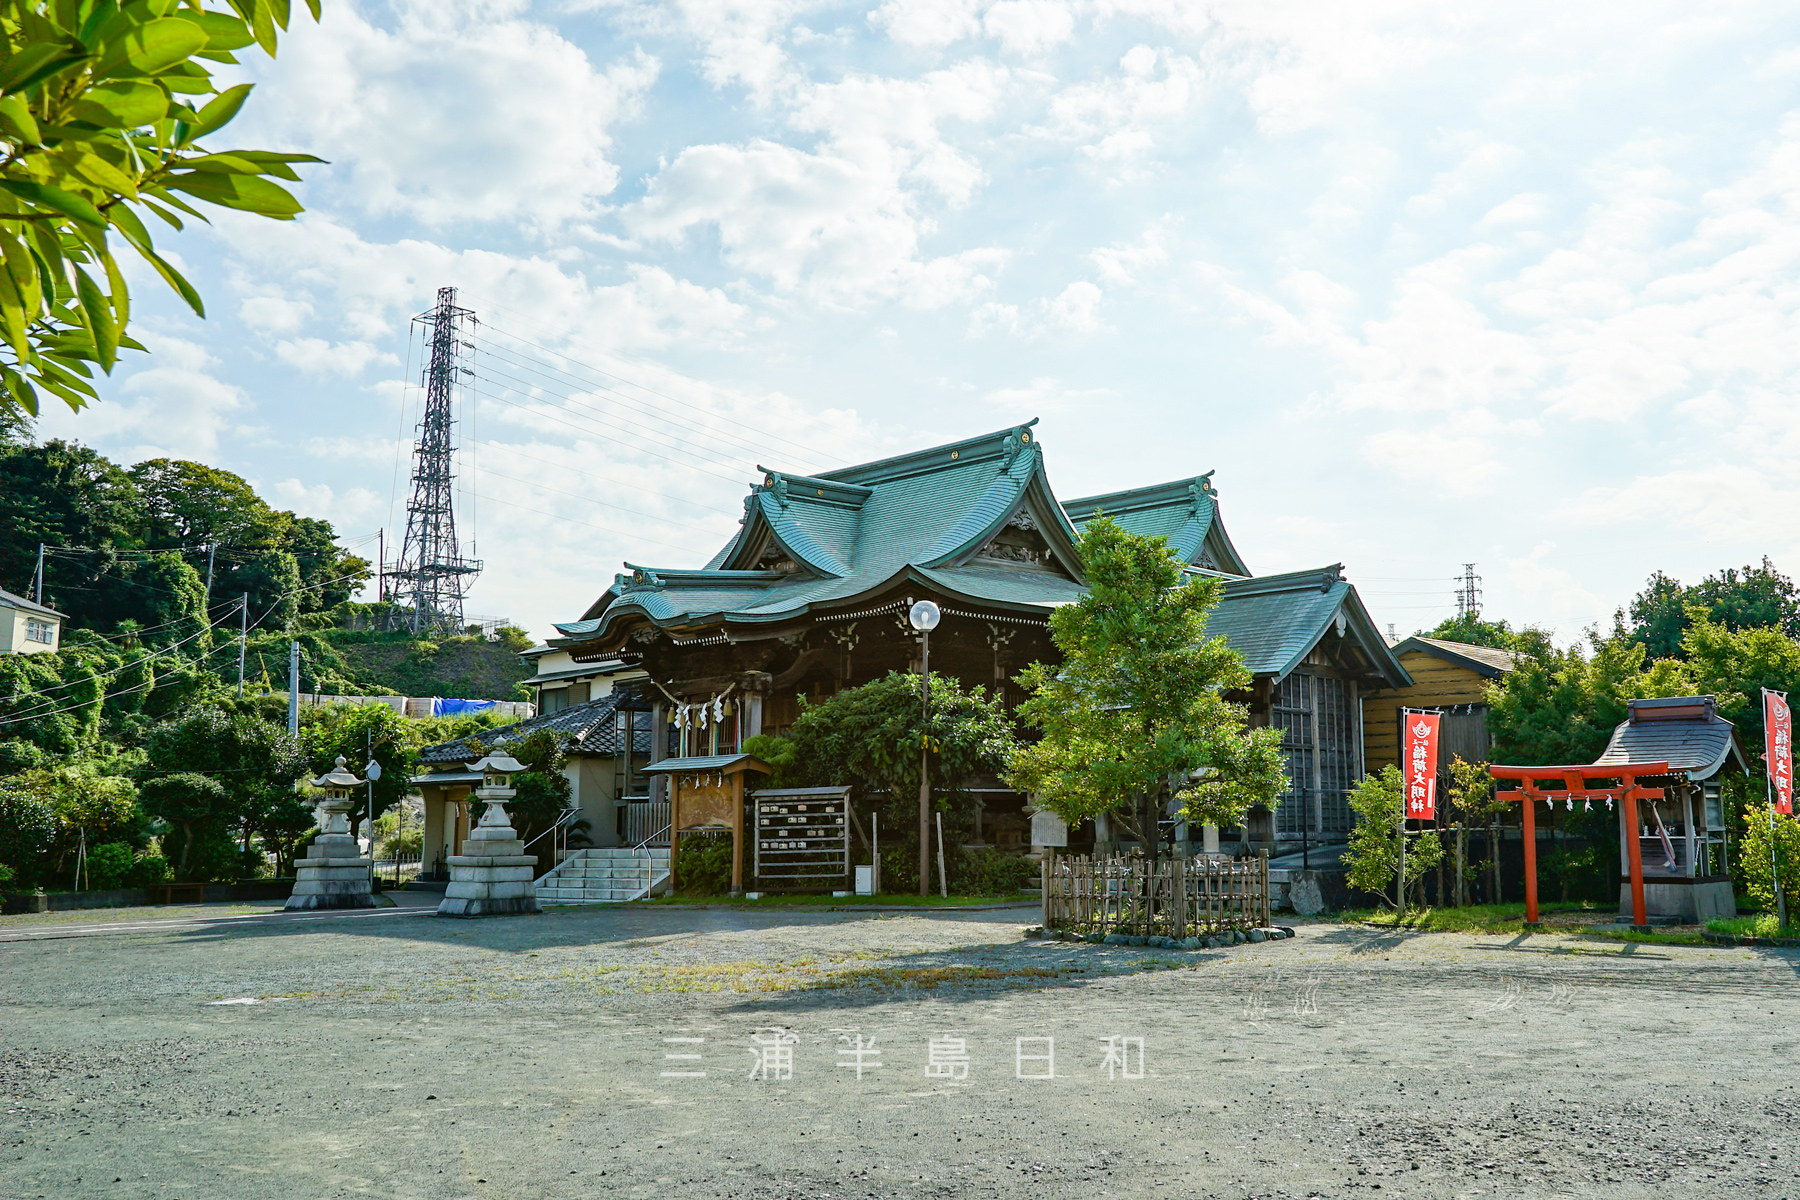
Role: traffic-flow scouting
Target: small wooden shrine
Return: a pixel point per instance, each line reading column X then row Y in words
column 706, row 796
column 1664, row 768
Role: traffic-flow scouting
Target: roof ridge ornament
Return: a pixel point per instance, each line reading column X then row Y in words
column 643, row 576
column 1200, row 491
column 1016, row 440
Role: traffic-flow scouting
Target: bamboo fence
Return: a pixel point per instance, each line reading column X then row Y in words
column 1179, row 898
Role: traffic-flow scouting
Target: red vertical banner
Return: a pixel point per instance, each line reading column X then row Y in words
column 1418, row 759
column 1778, row 748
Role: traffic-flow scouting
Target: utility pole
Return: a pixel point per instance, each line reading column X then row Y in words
column 37, row 592
column 380, row 565
column 431, row 571
column 210, row 548
column 243, row 637
column 294, row 688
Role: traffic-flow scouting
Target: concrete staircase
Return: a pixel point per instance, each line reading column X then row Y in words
column 606, row 876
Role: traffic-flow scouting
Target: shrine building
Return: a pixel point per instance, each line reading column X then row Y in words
column 810, row 596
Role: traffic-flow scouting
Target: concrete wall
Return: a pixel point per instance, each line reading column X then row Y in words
column 591, row 779
column 12, row 632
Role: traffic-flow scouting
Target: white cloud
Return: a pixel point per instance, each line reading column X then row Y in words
column 458, row 114
column 316, row 356
column 172, row 406
column 274, row 314
column 843, row 223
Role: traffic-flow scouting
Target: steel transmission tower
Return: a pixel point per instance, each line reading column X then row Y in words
column 431, row 576
column 1468, row 592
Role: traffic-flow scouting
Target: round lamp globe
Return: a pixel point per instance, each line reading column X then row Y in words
column 924, row 616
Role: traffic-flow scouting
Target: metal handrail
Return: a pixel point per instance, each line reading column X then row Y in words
column 645, row 844
column 567, row 816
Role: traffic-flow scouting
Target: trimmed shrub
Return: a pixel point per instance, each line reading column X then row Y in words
column 27, row 831
column 148, row 871
column 989, row 872
column 703, row 865
column 108, row 866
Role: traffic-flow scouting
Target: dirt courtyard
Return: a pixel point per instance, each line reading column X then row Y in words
column 647, row 1052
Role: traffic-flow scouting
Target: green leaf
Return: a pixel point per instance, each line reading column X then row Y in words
column 129, row 224
column 174, row 202
column 174, row 279
column 152, row 48
column 225, row 164
column 162, row 212
column 23, row 267
column 45, row 196
column 263, row 27
column 218, row 114
column 223, row 31
column 120, row 296
column 250, row 193
column 16, row 116
column 37, row 62
column 123, row 104
column 99, row 319
column 105, row 176
column 22, row 392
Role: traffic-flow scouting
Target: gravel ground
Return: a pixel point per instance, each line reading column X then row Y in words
column 401, row 1055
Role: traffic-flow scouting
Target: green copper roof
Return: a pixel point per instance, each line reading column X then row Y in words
column 924, row 520
column 1185, row 511
column 810, row 542
column 1275, row 621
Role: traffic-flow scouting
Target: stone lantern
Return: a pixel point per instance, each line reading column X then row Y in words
column 493, row 875
column 333, row 874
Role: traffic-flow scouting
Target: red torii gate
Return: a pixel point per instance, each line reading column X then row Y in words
column 1575, row 787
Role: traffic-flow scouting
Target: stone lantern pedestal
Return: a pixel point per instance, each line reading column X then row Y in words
column 333, row 874
column 493, row 876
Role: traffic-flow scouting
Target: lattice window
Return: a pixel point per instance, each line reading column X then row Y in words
column 1311, row 709
column 1291, row 712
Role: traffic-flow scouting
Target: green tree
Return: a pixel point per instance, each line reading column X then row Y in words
column 62, row 494
column 1735, row 665
column 1138, row 705
column 868, row 737
column 357, row 732
column 102, row 108
column 1751, row 598
column 27, row 831
column 254, row 764
column 1378, row 844
column 1758, row 869
column 1472, row 629
column 1562, row 708
column 190, row 803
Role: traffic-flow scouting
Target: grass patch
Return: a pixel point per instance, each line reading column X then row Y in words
column 909, row 901
column 1760, row 925
column 1652, row 938
column 1476, row 918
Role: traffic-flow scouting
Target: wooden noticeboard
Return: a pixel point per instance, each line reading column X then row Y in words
column 801, row 839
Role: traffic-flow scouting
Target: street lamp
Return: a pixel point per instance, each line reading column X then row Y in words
column 924, row 618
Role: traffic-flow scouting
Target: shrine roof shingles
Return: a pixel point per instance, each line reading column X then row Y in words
column 590, row 727
column 1275, row 621
column 1684, row 731
column 1184, row 511
column 919, row 518
column 862, row 528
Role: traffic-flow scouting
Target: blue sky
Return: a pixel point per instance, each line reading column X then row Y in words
column 1426, row 284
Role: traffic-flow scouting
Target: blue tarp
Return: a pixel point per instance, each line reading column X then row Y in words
column 459, row 708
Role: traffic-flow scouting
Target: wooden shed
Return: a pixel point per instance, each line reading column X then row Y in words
column 1452, row 677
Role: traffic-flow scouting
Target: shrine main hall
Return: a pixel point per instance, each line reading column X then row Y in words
column 810, row 597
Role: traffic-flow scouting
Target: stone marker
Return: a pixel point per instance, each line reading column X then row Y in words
column 493, row 875
column 334, row 874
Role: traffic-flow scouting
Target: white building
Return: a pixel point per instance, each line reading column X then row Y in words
column 27, row 627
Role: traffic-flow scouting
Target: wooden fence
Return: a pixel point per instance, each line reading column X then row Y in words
column 1182, row 897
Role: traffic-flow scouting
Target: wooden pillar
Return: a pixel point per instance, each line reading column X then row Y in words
column 737, row 832
column 1634, row 857
column 1530, row 839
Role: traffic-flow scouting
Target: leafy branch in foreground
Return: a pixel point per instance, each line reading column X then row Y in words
column 102, row 106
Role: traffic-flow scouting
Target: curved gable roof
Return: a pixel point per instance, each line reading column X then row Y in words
column 1183, row 511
